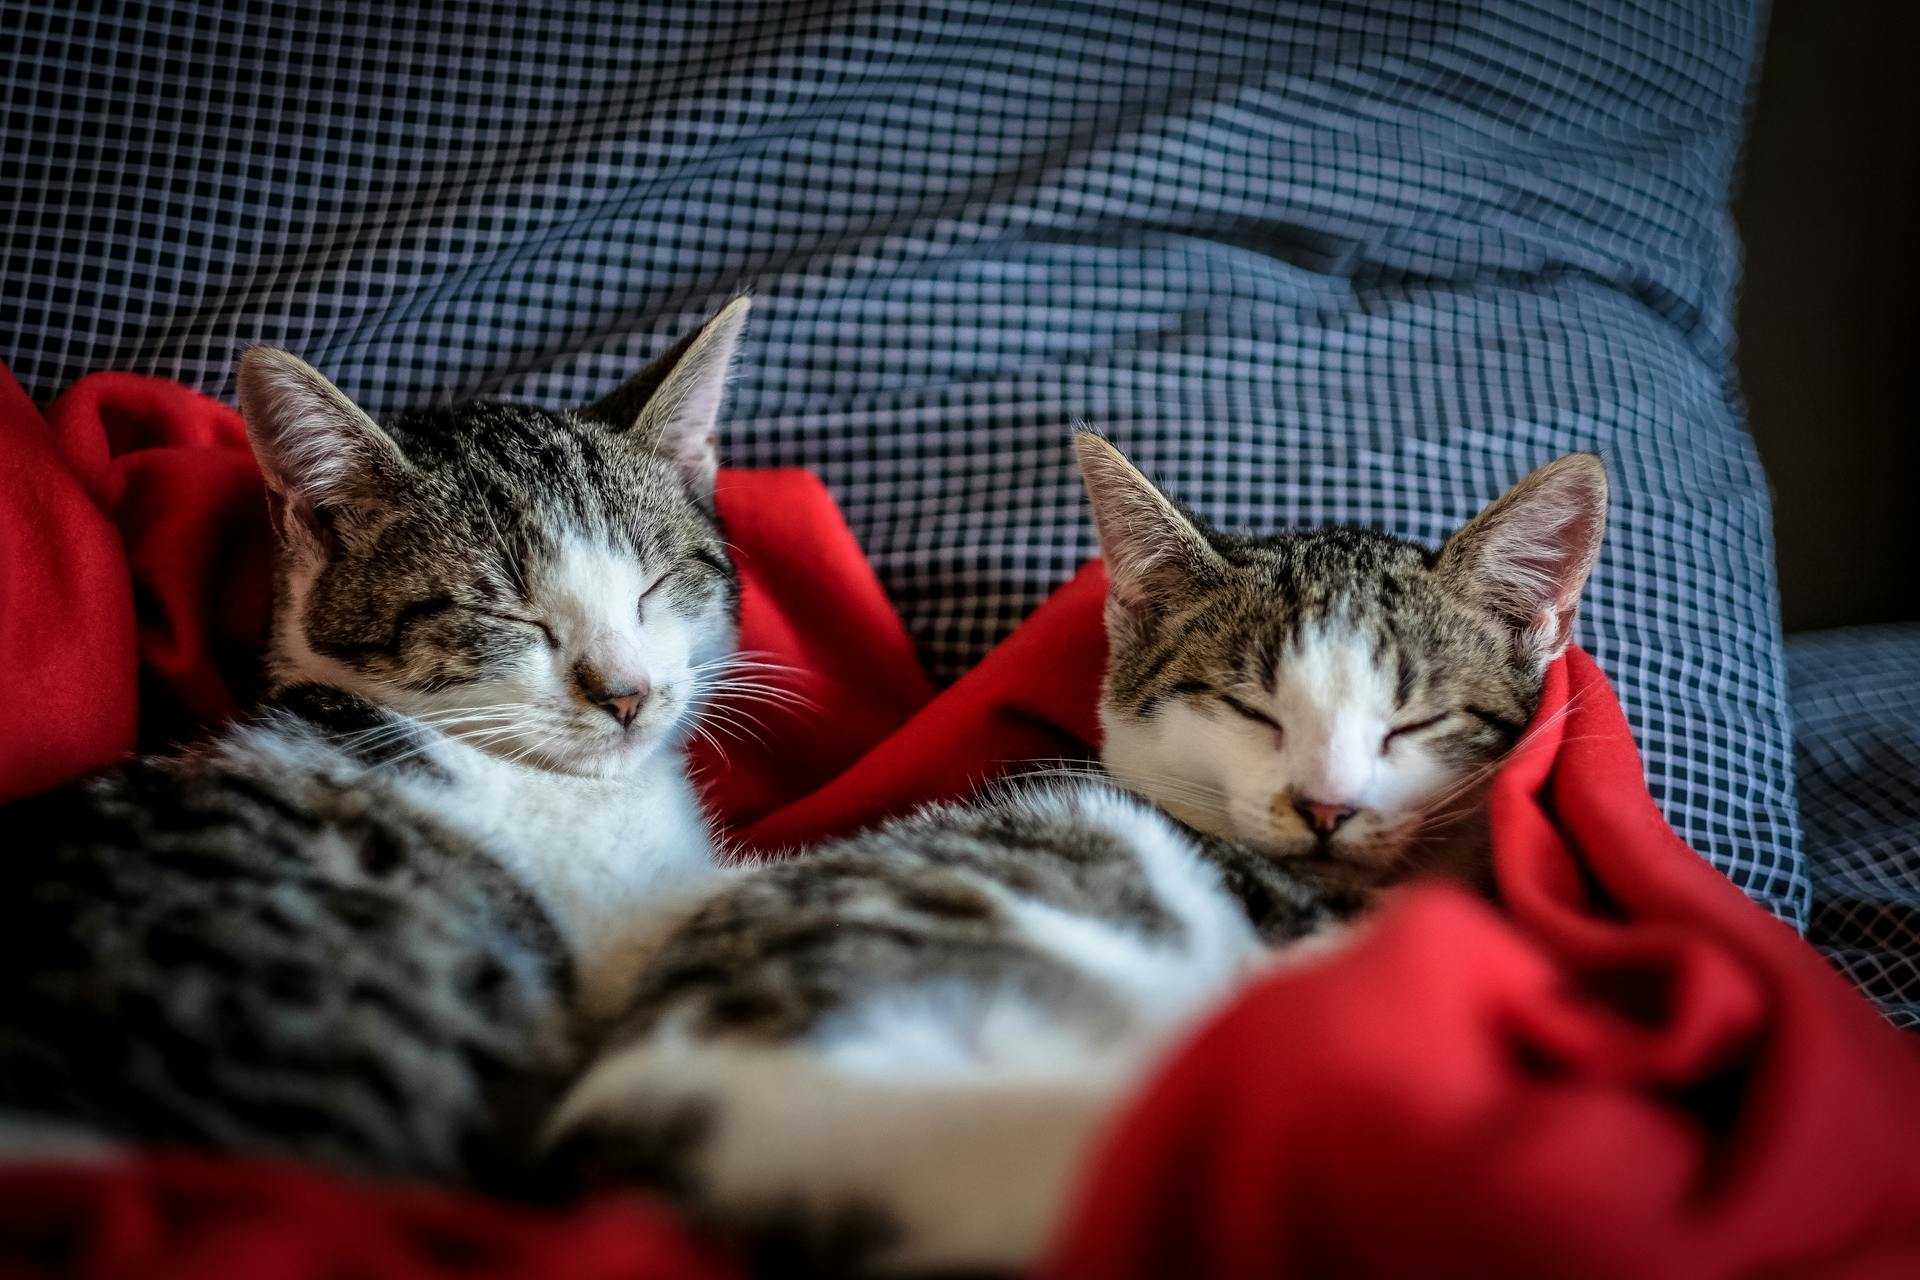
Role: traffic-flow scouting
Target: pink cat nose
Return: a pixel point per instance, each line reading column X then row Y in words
column 1324, row 818
column 624, row 706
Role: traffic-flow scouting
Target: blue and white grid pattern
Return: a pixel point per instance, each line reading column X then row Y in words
column 1856, row 711
column 1307, row 261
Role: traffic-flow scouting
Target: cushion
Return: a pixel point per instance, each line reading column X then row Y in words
column 1306, row 262
column 1856, row 710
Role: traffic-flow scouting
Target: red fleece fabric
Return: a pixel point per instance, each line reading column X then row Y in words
column 1628, row 1069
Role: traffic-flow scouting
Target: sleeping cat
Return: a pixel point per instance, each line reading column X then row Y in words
column 366, row 926
column 894, row 1051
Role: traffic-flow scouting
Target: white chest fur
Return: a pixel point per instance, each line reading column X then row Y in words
column 615, row 861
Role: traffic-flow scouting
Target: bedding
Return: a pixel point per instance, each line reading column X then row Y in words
column 1631, row 1069
column 1305, row 261
column 1856, row 712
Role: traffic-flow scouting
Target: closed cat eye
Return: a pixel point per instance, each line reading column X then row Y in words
column 641, row 602
column 553, row 641
column 1258, row 717
column 1403, row 729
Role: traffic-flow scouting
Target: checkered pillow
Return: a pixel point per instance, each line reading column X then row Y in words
column 1856, row 710
column 1308, row 262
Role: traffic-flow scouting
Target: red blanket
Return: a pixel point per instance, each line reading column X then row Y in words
column 1629, row 1070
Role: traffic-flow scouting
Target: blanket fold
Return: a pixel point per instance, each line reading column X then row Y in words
column 1627, row 1069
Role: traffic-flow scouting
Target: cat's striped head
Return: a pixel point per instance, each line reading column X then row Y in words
column 1332, row 693
column 551, row 586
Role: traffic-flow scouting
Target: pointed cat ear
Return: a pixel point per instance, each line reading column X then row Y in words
column 1153, row 550
column 674, row 403
column 322, row 457
column 1528, row 555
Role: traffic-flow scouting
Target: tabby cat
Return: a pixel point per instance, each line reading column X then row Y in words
column 894, row 1051
column 368, row 926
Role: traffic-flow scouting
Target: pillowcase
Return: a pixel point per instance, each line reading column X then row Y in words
column 1304, row 262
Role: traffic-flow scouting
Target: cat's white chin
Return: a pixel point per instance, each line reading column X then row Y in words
column 611, row 757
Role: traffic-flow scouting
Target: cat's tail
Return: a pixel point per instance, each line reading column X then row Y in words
column 835, row 1169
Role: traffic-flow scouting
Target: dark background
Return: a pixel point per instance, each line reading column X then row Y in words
column 1830, row 313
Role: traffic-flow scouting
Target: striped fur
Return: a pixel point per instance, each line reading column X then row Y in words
column 892, row 1053
column 370, row 926
column 1334, row 695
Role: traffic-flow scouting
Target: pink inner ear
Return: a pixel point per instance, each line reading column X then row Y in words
column 1548, row 632
column 1577, row 538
